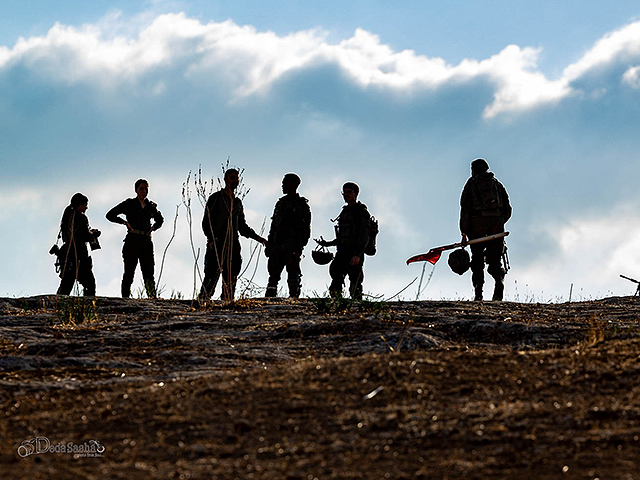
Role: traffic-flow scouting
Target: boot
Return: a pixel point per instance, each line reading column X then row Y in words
column 478, row 297
column 271, row 291
column 498, row 291
column 294, row 290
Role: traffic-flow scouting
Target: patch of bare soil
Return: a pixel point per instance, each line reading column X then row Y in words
column 275, row 389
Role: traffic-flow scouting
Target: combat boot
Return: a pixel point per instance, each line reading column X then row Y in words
column 478, row 296
column 271, row 291
column 294, row 290
column 498, row 291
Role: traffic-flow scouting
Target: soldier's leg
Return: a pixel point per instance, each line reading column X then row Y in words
column 211, row 274
column 226, row 260
column 67, row 274
column 294, row 275
column 337, row 271
column 274, row 266
column 477, row 269
column 86, row 278
column 147, row 266
column 130, row 258
column 230, row 272
column 66, row 283
column 495, row 249
column 356, row 277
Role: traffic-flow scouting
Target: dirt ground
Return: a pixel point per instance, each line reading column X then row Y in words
column 310, row 390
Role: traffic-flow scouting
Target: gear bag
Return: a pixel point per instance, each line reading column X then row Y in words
column 373, row 235
column 486, row 196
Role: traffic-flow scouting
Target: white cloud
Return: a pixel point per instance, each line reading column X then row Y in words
column 632, row 77
column 520, row 87
column 621, row 44
column 252, row 61
column 592, row 253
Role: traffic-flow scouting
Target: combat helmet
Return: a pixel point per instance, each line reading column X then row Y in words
column 459, row 261
column 321, row 255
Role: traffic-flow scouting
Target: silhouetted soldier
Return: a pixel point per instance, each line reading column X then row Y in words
column 289, row 233
column 484, row 209
column 352, row 238
column 138, row 247
column 75, row 262
column 223, row 221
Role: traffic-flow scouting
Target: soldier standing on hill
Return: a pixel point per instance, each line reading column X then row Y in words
column 73, row 257
column 352, row 238
column 484, row 209
column 222, row 222
column 289, row 233
column 138, row 246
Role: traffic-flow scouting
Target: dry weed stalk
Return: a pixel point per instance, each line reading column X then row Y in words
column 596, row 333
column 173, row 235
column 186, row 201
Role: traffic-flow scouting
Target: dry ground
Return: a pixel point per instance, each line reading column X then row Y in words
column 279, row 390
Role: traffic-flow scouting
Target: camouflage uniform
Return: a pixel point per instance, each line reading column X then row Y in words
column 222, row 222
column 75, row 262
column 137, row 244
column 480, row 217
column 290, row 232
column 352, row 237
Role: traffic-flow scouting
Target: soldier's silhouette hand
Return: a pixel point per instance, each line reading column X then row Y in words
column 322, row 242
column 355, row 260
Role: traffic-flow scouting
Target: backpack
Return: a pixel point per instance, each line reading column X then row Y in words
column 486, row 196
column 373, row 234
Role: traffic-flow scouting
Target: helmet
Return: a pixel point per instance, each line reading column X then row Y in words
column 459, row 261
column 321, row 256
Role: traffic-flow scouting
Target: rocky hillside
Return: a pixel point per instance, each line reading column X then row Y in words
column 278, row 389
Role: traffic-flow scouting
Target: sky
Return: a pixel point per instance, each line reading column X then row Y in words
column 399, row 97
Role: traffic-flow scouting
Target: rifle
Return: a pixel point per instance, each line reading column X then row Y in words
column 634, row 281
column 433, row 255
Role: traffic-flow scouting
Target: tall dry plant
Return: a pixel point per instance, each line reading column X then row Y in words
column 173, row 235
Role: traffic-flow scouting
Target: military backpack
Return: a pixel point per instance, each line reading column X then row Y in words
column 373, row 235
column 486, row 196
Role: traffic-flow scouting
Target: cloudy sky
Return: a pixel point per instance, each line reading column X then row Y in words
column 398, row 98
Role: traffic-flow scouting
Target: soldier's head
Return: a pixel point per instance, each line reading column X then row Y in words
column 142, row 188
column 231, row 179
column 350, row 192
column 290, row 183
column 479, row 165
column 79, row 202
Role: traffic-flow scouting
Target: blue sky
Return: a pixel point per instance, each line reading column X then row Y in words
column 399, row 99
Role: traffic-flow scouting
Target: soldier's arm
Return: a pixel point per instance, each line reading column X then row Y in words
column 245, row 230
column 207, row 228
column 158, row 219
column 113, row 214
column 364, row 228
column 84, row 233
column 466, row 206
column 275, row 221
column 506, row 205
